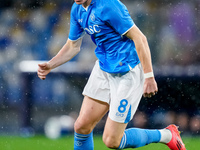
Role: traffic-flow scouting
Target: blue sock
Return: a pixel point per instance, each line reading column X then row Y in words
column 135, row 137
column 83, row 141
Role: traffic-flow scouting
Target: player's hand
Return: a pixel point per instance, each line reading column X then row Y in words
column 150, row 87
column 43, row 70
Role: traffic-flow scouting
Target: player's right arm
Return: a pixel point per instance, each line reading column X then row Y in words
column 67, row 52
column 142, row 47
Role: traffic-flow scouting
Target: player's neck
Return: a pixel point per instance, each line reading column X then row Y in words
column 86, row 4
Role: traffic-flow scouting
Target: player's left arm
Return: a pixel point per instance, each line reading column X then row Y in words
column 142, row 47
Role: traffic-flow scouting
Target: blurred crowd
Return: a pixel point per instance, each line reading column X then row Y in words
column 172, row 28
column 36, row 30
column 188, row 125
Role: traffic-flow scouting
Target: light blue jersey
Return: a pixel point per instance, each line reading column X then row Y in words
column 106, row 21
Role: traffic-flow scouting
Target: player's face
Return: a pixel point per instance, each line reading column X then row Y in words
column 79, row 2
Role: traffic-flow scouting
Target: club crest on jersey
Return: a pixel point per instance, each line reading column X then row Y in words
column 92, row 17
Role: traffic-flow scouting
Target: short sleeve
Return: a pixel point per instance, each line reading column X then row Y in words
column 76, row 31
column 117, row 15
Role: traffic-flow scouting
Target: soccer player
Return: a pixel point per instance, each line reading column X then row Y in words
column 121, row 75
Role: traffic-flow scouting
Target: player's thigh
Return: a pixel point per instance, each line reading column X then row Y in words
column 113, row 133
column 91, row 113
column 126, row 93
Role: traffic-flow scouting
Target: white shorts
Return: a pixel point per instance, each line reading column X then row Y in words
column 122, row 91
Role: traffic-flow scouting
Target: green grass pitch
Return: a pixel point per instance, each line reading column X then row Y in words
column 66, row 143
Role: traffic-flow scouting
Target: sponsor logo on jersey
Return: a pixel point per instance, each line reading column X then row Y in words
column 93, row 29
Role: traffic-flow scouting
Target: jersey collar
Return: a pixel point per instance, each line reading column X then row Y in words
column 92, row 2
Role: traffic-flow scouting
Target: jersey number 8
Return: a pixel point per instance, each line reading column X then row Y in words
column 122, row 106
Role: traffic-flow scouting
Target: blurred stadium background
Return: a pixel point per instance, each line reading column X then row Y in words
column 35, row 30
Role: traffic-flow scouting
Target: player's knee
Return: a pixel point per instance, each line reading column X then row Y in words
column 82, row 127
column 111, row 142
